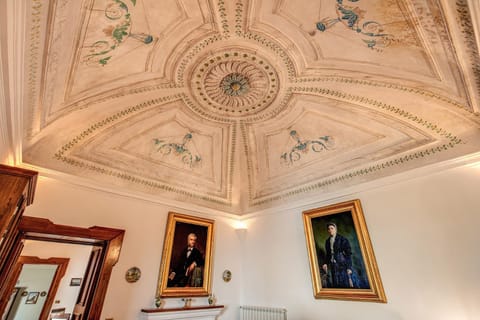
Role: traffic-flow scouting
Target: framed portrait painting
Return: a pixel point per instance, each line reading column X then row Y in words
column 342, row 261
column 187, row 257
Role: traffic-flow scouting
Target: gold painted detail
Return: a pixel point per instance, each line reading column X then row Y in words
column 234, row 83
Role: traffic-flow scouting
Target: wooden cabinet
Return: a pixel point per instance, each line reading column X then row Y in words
column 17, row 188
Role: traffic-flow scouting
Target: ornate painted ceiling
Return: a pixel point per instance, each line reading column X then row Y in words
column 240, row 105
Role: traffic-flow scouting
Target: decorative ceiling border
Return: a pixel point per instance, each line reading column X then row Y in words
column 356, row 173
column 60, row 154
column 34, row 57
column 238, row 18
column 466, row 25
column 121, row 92
column 338, row 95
column 388, row 85
column 193, row 51
column 223, row 16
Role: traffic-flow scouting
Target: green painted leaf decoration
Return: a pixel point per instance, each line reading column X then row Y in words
column 134, row 2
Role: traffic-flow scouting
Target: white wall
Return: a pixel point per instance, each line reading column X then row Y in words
column 425, row 236
column 78, row 255
column 144, row 223
column 423, row 231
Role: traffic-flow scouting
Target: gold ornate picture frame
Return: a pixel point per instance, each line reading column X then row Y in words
column 186, row 265
column 342, row 261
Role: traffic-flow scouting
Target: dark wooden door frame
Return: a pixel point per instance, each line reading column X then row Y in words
column 62, row 264
column 109, row 239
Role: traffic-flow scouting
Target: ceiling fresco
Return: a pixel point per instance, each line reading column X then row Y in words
column 242, row 105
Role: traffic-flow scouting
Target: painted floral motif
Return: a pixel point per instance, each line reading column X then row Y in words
column 295, row 153
column 351, row 17
column 117, row 11
column 179, row 150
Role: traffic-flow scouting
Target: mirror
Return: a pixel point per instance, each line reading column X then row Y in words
column 104, row 244
column 38, row 262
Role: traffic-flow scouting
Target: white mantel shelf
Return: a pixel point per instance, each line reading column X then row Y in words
column 197, row 313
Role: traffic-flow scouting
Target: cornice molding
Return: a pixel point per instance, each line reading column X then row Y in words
column 320, row 199
column 5, row 145
column 172, row 205
column 16, row 13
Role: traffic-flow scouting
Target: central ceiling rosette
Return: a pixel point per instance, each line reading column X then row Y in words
column 234, row 83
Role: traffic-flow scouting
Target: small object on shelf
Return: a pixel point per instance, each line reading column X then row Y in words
column 188, row 302
column 211, row 299
column 158, row 302
column 133, row 274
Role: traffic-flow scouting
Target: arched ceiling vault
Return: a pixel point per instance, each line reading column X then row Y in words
column 241, row 105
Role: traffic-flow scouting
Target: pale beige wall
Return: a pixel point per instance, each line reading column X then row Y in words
column 425, row 237
column 424, row 233
column 144, row 223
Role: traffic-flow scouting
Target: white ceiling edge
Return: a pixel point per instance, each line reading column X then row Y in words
column 14, row 28
column 316, row 200
column 321, row 199
column 174, row 205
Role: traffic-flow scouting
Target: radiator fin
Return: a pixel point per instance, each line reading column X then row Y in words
column 262, row 313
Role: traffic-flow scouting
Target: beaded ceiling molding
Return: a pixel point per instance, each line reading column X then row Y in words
column 244, row 105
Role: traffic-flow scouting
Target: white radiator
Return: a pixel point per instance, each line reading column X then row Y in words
column 262, row 313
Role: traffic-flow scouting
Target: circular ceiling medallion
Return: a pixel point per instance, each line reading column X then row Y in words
column 234, row 83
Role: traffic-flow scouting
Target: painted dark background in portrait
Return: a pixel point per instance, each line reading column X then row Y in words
column 346, row 228
column 182, row 230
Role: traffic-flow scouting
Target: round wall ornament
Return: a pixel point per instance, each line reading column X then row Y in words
column 227, row 275
column 133, row 274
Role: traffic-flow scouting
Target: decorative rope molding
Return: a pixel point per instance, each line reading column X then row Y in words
column 122, row 93
column 453, row 141
column 378, row 104
column 388, row 85
column 464, row 19
column 196, row 49
column 34, row 64
column 145, row 182
column 246, row 148
column 223, row 16
column 238, row 18
column 275, row 48
column 60, row 154
column 356, row 173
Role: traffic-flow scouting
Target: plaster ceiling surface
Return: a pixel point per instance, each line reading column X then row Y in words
column 241, row 105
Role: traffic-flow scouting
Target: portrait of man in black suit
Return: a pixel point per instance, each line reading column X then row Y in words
column 188, row 257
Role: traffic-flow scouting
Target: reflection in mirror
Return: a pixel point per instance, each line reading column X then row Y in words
column 38, row 278
column 105, row 244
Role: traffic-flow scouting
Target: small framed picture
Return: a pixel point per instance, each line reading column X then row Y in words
column 75, row 282
column 32, row 297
